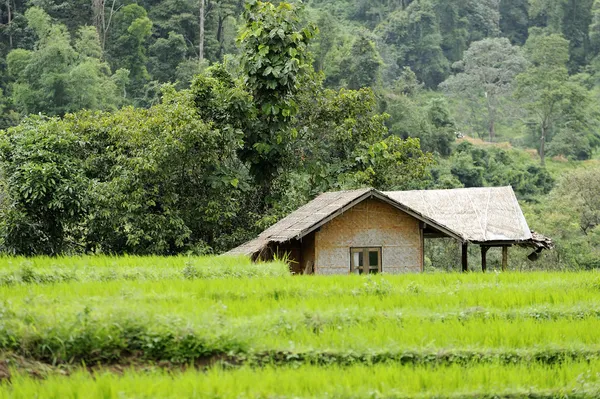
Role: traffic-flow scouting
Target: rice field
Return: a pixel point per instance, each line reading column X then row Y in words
column 132, row 327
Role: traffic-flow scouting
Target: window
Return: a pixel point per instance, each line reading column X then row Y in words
column 365, row 260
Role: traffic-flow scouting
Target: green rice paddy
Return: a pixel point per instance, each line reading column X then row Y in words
column 218, row 327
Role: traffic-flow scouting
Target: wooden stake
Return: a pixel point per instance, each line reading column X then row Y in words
column 465, row 264
column 484, row 250
column 504, row 258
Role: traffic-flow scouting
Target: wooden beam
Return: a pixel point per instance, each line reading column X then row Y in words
column 465, row 263
column 504, row 258
column 484, row 250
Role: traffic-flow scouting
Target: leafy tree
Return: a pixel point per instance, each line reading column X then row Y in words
column 45, row 188
column 575, row 28
column 325, row 40
column 414, row 113
column 475, row 166
column 363, row 65
column 136, row 181
column 486, row 76
column 454, row 28
column 57, row 77
column 484, row 19
column 594, row 29
column 166, row 55
column 548, row 14
column 274, row 58
column 548, row 93
column 127, row 44
column 344, row 143
column 414, row 33
column 582, row 189
column 514, row 20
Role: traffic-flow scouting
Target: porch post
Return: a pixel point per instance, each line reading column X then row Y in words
column 504, row 258
column 484, row 250
column 465, row 264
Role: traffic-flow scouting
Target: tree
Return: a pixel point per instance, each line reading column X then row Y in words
column 45, row 187
column 166, row 55
column 454, row 28
column 594, row 29
column 576, row 26
column 415, row 113
column 484, row 19
column 127, row 49
column 548, row 93
column 548, row 14
column 514, row 20
column 582, row 189
column 486, row 76
column 274, row 58
column 57, row 77
column 363, row 64
column 137, row 181
column 415, row 36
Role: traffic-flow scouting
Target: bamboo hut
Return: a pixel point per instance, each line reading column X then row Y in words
column 368, row 231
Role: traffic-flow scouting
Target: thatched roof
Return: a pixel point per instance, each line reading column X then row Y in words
column 479, row 215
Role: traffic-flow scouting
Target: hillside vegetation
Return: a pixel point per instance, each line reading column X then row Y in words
column 187, row 127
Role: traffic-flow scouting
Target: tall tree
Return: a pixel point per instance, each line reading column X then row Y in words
column 128, row 43
column 486, row 76
column 514, row 20
column 545, row 88
column 275, row 58
column 56, row 77
column 362, row 67
column 415, row 36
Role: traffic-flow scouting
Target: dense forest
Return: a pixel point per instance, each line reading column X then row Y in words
column 174, row 126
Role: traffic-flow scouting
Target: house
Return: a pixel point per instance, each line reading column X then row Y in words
column 369, row 231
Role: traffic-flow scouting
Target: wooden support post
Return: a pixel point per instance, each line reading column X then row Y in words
column 465, row 264
column 504, row 258
column 484, row 250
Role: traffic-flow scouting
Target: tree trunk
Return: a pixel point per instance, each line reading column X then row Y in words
column 201, row 38
column 543, row 146
column 220, row 38
column 10, row 38
column 98, row 9
column 491, row 117
column 492, row 129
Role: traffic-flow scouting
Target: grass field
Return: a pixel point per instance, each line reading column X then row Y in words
column 217, row 327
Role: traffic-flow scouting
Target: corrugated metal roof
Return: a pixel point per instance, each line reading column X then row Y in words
column 472, row 214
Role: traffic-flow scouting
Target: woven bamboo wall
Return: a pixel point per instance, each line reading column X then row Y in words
column 371, row 223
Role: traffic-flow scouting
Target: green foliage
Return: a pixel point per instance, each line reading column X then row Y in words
column 57, row 77
column 127, row 47
column 570, row 215
column 122, row 182
column 166, row 55
column 471, row 166
column 45, row 187
column 486, row 76
column 392, row 164
column 549, row 95
column 415, row 36
column 362, row 66
column 274, row 58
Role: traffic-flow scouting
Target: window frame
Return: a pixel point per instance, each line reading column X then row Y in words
column 365, row 251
